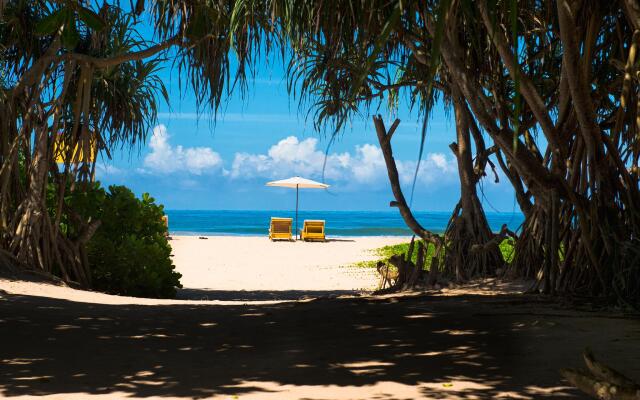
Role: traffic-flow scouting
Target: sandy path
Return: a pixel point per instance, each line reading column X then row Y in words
column 427, row 347
column 231, row 263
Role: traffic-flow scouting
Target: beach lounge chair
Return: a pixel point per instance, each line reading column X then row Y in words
column 280, row 228
column 313, row 230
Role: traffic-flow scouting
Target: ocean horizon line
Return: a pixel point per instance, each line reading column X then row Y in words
column 338, row 223
column 265, row 235
column 319, row 211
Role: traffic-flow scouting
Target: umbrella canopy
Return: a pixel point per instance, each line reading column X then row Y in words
column 297, row 182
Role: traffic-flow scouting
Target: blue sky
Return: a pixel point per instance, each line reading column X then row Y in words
column 189, row 162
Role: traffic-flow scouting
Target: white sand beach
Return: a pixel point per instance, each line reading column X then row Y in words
column 236, row 263
column 235, row 269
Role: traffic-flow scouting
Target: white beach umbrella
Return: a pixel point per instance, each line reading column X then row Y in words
column 298, row 183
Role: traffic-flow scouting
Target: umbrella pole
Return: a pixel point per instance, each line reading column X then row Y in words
column 297, row 212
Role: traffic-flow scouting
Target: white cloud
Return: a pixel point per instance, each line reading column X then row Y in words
column 104, row 169
column 365, row 165
column 435, row 167
column 289, row 156
column 164, row 158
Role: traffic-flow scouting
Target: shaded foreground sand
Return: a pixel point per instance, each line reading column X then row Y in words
column 476, row 342
column 422, row 347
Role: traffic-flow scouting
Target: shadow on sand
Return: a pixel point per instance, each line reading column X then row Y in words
column 260, row 295
column 435, row 347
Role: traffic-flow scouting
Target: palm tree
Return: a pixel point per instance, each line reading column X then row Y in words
column 561, row 70
column 53, row 95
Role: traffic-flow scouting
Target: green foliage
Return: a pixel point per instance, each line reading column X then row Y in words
column 506, row 248
column 93, row 20
column 129, row 254
column 66, row 18
column 51, row 23
column 402, row 248
column 78, row 205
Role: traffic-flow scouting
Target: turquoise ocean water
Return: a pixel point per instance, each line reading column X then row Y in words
column 338, row 223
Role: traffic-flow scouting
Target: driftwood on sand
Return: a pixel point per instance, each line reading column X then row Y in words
column 601, row 381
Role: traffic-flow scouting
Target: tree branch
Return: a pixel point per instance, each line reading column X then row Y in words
column 123, row 58
column 384, row 138
column 526, row 86
column 579, row 90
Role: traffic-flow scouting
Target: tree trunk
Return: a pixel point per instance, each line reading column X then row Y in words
column 468, row 226
column 26, row 241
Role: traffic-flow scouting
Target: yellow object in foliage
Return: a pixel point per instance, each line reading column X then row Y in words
column 165, row 221
column 313, row 230
column 280, row 228
column 84, row 151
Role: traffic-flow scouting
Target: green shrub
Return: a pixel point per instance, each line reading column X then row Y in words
column 401, row 248
column 507, row 248
column 129, row 253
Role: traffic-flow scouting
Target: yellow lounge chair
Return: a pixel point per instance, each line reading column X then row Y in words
column 313, row 230
column 280, row 228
